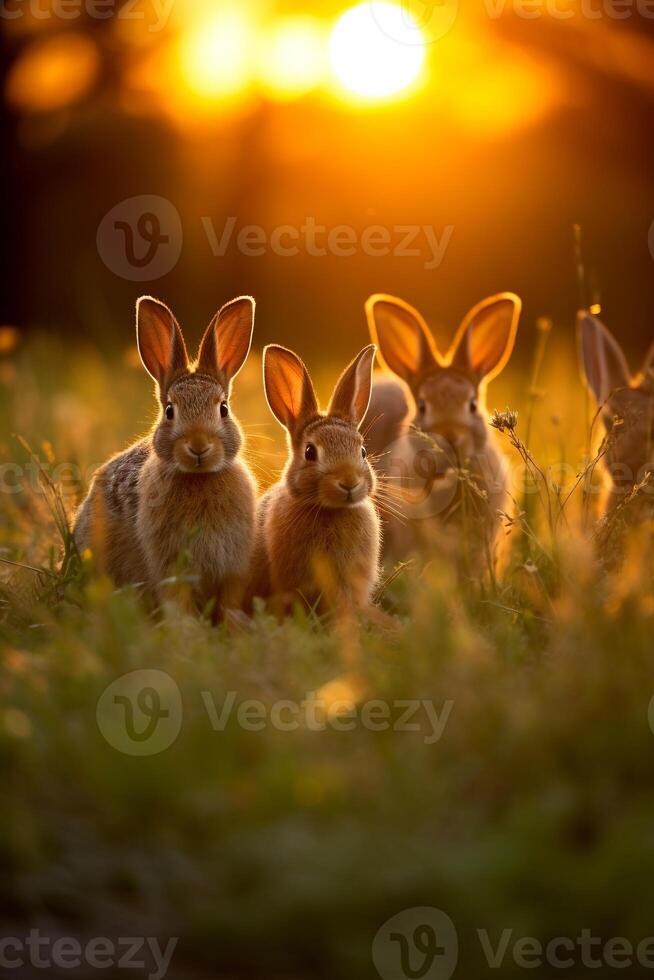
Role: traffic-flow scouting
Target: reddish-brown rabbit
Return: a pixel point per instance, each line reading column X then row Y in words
column 434, row 426
column 184, row 488
column 319, row 537
column 629, row 399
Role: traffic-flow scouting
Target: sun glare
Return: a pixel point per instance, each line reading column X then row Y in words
column 292, row 59
column 214, row 56
column 376, row 50
column 53, row 73
column 501, row 96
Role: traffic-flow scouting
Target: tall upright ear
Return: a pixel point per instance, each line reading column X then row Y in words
column 603, row 363
column 288, row 388
column 226, row 342
column 353, row 389
column 402, row 336
column 160, row 341
column 484, row 342
column 648, row 364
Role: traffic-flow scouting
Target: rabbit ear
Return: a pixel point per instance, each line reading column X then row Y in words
column 160, row 341
column 226, row 342
column 648, row 365
column 288, row 388
column 352, row 392
column 484, row 341
column 404, row 339
column 603, row 363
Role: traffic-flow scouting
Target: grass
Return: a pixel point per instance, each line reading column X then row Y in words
column 281, row 853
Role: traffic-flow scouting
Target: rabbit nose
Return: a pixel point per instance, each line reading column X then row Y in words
column 199, row 452
column 349, row 487
column 453, row 438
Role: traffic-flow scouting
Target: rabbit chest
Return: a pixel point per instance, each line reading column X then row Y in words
column 208, row 517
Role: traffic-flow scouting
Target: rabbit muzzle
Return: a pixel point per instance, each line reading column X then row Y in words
column 199, row 452
column 455, row 445
column 344, row 486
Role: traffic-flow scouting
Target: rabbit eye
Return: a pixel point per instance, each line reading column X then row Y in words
column 422, row 406
column 224, row 410
column 310, row 453
column 170, row 412
column 473, row 405
column 364, row 452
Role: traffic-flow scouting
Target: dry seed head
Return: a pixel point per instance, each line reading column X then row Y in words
column 503, row 421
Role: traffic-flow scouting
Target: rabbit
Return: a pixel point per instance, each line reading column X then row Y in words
column 626, row 406
column 432, row 428
column 183, row 489
column 318, row 527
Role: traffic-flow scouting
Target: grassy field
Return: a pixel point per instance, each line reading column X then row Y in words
column 518, row 796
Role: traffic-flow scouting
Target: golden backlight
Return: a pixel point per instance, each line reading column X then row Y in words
column 292, row 57
column 215, row 54
column 53, row 73
column 219, row 56
column 376, row 50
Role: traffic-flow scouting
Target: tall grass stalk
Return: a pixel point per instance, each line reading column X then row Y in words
column 534, row 395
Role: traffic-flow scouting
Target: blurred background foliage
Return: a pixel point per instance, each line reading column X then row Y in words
column 510, row 130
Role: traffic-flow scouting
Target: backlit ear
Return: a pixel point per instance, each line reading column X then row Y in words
column 160, row 341
column 226, row 342
column 603, row 363
column 484, row 341
column 352, row 392
column 405, row 343
column 288, row 388
column 648, row 364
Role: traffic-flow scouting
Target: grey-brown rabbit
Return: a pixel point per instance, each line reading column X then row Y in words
column 431, row 426
column 184, row 488
column 629, row 399
column 318, row 534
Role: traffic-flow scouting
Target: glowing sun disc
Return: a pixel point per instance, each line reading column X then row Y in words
column 376, row 49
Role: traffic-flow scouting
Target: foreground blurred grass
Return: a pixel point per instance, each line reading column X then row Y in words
column 275, row 853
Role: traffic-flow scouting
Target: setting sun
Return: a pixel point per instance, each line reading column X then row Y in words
column 376, row 50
